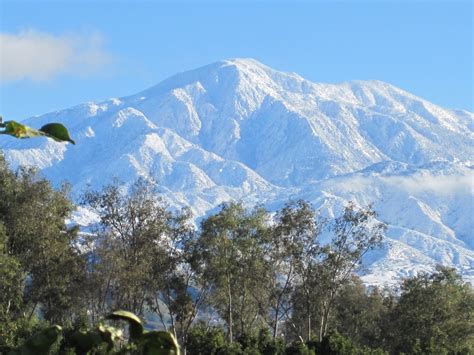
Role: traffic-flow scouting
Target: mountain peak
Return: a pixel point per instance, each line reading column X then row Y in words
column 250, row 81
column 251, row 65
column 244, row 62
column 228, row 74
column 237, row 129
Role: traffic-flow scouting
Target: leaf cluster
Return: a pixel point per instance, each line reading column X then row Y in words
column 102, row 339
column 55, row 131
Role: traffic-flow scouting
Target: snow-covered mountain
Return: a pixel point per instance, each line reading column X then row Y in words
column 237, row 129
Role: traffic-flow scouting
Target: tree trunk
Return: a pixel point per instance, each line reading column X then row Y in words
column 309, row 327
column 229, row 295
column 324, row 323
column 308, row 311
column 321, row 327
column 275, row 325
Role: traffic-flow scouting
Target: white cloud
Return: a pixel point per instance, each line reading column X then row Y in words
column 441, row 185
column 41, row 56
column 438, row 185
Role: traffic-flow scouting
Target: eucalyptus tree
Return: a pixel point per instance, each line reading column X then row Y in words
column 353, row 234
column 328, row 265
column 132, row 230
column 292, row 247
column 178, row 293
column 434, row 314
column 362, row 313
column 141, row 256
column 37, row 240
column 232, row 262
column 12, row 282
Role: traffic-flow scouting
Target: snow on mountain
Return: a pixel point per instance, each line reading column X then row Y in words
column 237, row 129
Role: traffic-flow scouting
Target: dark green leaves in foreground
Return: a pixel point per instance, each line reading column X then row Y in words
column 54, row 131
column 57, row 132
column 41, row 343
column 103, row 339
column 148, row 342
column 135, row 324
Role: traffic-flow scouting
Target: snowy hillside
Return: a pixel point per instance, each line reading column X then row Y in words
column 237, row 129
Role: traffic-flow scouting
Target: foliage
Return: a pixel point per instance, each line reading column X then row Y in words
column 355, row 233
column 41, row 343
column 299, row 348
column 12, row 279
column 269, row 345
column 205, row 340
column 55, row 131
column 40, row 265
column 360, row 314
column 122, row 251
column 134, row 259
column 336, row 344
column 435, row 314
column 103, row 339
column 233, row 263
column 267, row 284
column 325, row 269
column 292, row 249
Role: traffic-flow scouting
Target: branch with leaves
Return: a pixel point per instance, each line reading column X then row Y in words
column 55, row 131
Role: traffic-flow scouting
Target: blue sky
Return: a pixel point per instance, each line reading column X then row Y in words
column 55, row 54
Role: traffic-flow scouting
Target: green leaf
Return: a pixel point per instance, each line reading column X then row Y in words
column 135, row 324
column 57, row 132
column 110, row 334
column 41, row 342
column 84, row 341
column 19, row 130
column 159, row 343
column 54, row 131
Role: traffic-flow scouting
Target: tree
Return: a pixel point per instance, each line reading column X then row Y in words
column 435, row 314
column 233, row 264
column 291, row 250
column 327, row 268
column 12, row 280
column 177, row 283
column 133, row 229
column 40, row 265
column 354, row 233
column 206, row 341
column 360, row 313
column 337, row 344
column 34, row 215
column 140, row 258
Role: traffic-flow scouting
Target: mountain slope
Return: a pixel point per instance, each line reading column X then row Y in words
column 237, row 129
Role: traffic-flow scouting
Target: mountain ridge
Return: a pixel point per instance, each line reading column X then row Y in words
column 237, row 129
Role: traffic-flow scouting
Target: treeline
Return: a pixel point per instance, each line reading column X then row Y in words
column 246, row 281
